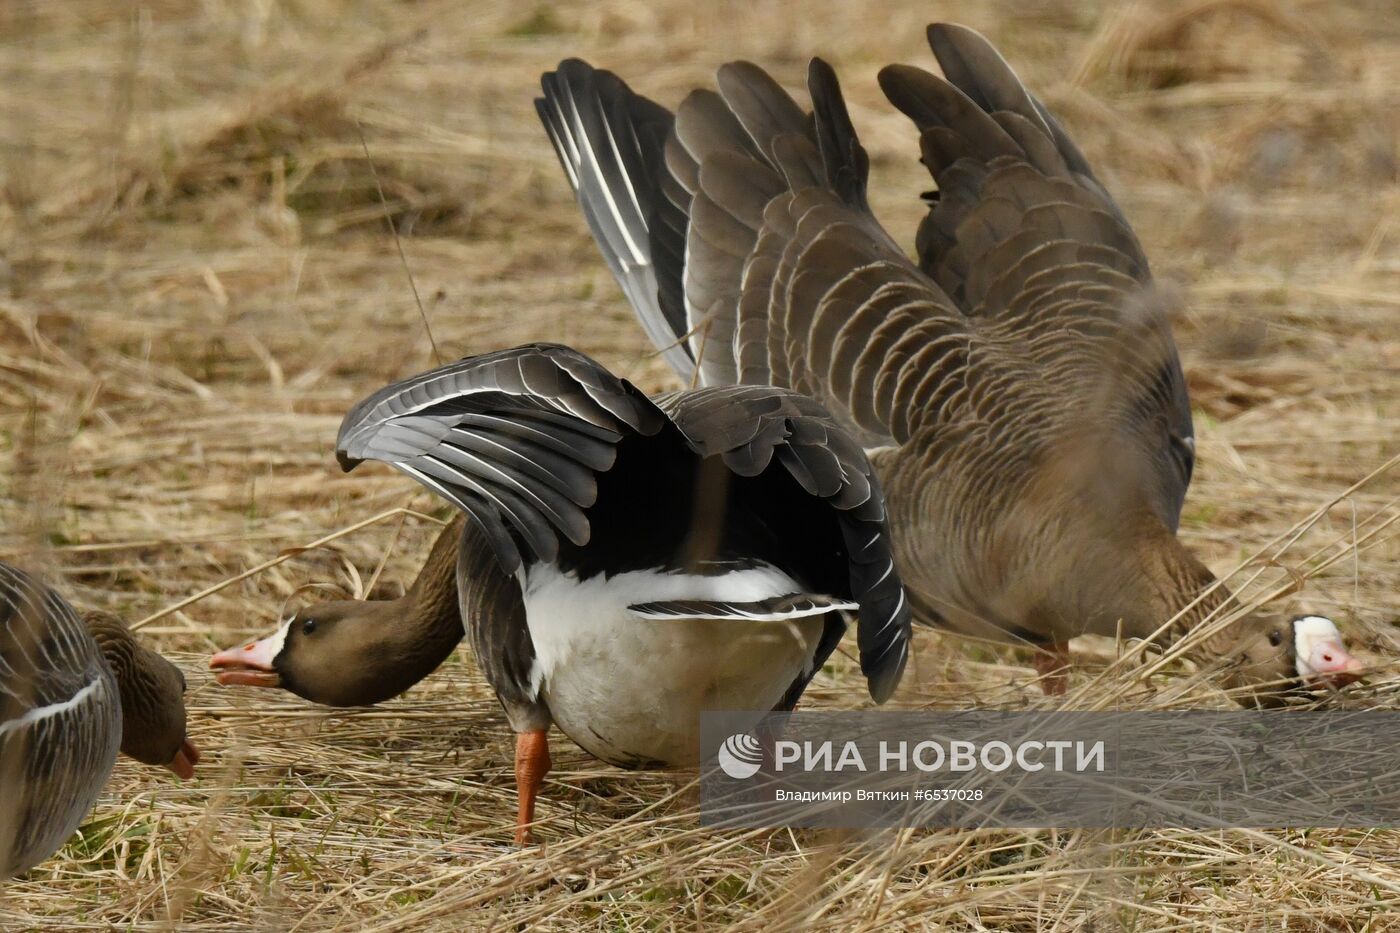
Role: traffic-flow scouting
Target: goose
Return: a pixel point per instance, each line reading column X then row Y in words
column 367, row 651
column 73, row 691
column 1016, row 385
column 630, row 562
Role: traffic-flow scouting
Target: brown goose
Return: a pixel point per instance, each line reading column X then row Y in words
column 1017, row 387
column 72, row 692
column 368, row 651
column 631, row 562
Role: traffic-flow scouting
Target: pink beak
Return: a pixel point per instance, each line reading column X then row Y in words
column 249, row 666
column 1332, row 666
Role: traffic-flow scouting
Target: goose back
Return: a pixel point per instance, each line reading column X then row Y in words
column 60, row 721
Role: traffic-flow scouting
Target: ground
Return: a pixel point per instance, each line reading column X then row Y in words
column 198, row 275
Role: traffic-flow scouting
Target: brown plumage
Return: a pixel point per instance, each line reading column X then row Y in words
column 73, row 691
column 1018, row 384
column 151, row 688
column 354, row 652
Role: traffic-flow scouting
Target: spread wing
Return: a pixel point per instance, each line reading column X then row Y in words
column 787, row 277
column 1023, row 236
column 519, row 438
column 1030, row 293
column 610, row 142
column 514, row 438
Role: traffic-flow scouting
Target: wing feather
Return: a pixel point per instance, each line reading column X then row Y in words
column 513, row 438
column 754, row 427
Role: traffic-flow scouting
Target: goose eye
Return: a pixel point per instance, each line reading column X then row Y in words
column 1276, row 638
column 308, row 626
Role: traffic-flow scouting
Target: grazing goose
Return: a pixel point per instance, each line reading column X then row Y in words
column 631, row 562
column 73, row 691
column 1017, row 387
column 368, row 651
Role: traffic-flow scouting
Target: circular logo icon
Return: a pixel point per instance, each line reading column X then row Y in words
column 740, row 756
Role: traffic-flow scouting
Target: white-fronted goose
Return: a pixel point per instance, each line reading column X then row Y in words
column 72, row 693
column 365, row 651
column 631, row 562
column 1018, row 386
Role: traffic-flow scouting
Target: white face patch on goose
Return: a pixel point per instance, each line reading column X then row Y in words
column 267, row 649
column 1317, row 649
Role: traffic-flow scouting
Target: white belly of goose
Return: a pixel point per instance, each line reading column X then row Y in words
column 631, row 690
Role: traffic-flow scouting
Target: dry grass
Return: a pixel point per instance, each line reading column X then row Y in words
column 197, row 280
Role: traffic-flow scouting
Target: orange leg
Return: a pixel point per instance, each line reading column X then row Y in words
column 1052, row 664
column 531, row 765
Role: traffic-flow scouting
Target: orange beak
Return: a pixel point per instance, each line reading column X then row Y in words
column 182, row 765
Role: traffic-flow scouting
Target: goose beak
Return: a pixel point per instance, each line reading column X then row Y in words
column 250, row 665
column 182, row 765
column 1332, row 666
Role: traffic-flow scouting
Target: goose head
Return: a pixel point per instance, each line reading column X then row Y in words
column 343, row 652
column 152, row 696
column 1277, row 658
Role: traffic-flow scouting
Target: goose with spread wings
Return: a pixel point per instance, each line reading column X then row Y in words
column 1016, row 383
column 628, row 562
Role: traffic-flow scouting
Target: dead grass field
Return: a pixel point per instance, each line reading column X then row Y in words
column 197, row 279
